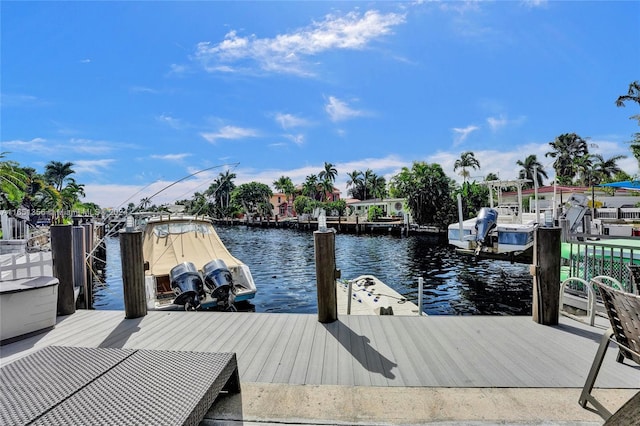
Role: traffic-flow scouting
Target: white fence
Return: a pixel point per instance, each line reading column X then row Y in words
column 25, row 265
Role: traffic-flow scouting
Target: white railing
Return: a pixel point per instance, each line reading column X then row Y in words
column 27, row 265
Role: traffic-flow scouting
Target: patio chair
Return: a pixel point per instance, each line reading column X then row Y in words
column 623, row 310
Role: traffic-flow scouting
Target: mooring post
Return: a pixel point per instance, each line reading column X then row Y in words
column 89, row 243
column 135, row 304
column 62, row 257
column 546, row 276
column 326, row 275
column 79, row 266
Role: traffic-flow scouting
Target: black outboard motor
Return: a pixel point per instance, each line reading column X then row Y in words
column 486, row 221
column 187, row 285
column 219, row 282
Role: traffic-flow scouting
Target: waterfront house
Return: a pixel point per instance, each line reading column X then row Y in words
column 391, row 207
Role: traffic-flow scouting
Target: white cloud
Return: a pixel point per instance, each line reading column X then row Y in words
column 35, row 146
column 170, row 121
column 229, row 132
column 288, row 121
column 339, row 110
column 171, row 157
column 461, row 133
column 497, row 123
column 92, row 166
column 143, row 89
column 285, row 53
column 297, row 139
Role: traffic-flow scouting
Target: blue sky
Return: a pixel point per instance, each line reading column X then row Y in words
column 140, row 94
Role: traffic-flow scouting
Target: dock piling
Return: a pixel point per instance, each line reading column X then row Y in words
column 135, row 304
column 62, row 256
column 326, row 275
column 546, row 276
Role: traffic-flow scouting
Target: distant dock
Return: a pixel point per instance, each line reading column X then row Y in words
column 348, row 225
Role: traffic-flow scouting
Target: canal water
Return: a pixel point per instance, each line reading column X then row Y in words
column 282, row 262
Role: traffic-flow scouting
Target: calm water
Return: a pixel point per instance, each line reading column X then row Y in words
column 282, row 262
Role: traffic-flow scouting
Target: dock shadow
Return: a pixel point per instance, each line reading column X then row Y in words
column 121, row 334
column 361, row 350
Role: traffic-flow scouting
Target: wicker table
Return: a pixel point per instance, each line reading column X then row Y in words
column 71, row 385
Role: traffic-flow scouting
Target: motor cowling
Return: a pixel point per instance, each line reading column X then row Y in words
column 219, row 282
column 486, row 221
column 186, row 284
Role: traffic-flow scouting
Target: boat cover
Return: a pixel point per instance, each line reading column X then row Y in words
column 168, row 242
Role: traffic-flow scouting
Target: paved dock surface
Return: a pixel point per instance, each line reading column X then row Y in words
column 436, row 367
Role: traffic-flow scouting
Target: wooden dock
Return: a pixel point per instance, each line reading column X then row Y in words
column 389, row 351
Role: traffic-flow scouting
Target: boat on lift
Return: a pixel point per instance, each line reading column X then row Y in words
column 501, row 230
column 188, row 267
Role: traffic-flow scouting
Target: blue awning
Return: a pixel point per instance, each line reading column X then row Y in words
column 632, row 185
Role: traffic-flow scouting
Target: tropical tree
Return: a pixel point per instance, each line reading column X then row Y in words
column 466, row 160
column 310, row 187
column 71, row 193
column 57, row 173
column 220, row 191
column 356, row 179
column 566, row 149
column 533, row 170
column 492, row 176
column 428, row 193
column 252, row 196
column 285, row 185
column 329, row 172
column 39, row 194
column 12, row 183
column 607, row 169
column 633, row 95
column 378, row 187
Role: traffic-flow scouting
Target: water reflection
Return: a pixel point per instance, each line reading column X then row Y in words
column 282, row 264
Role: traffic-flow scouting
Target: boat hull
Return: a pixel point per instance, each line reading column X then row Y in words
column 27, row 306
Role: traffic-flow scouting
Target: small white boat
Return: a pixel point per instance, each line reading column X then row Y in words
column 27, row 307
column 505, row 229
column 188, row 266
column 370, row 296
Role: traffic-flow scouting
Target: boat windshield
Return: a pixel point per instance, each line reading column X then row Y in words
column 164, row 229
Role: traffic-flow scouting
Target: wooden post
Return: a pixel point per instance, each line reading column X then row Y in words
column 79, row 266
column 325, row 251
column 62, row 256
column 88, row 257
column 546, row 282
column 135, row 303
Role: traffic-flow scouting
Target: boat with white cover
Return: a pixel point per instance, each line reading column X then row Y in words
column 370, row 296
column 188, row 266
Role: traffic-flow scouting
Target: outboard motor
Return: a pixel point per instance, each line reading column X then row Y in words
column 486, row 221
column 187, row 285
column 219, row 282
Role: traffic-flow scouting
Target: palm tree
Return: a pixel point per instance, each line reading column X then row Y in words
column 607, row 169
column 285, row 185
column 221, row 190
column 585, row 170
column 71, row 193
column 566, row 148
column 329, row 172
column 310, row 187
column 354, row 182
column 532, row 170
column 56, row 173
column 12, row 183
column 467, row 159
column 367, row 179
column 379, row 187
column 633, row 94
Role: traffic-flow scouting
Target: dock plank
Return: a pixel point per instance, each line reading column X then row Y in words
column 369, row 350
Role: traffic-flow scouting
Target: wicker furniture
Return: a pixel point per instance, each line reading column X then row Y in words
column 623, row 310
column 60, row 385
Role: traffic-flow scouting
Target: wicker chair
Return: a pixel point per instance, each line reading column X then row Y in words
column 623, row 310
